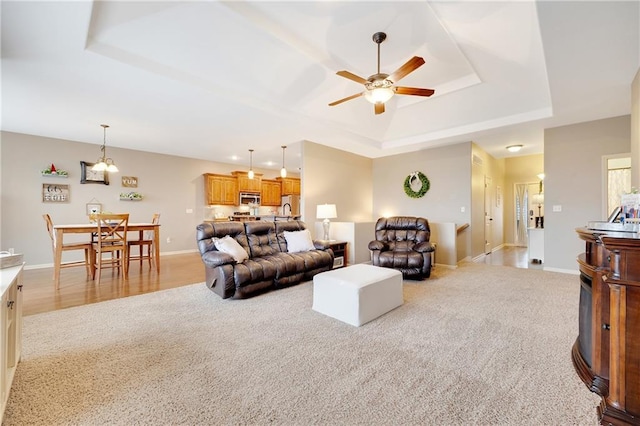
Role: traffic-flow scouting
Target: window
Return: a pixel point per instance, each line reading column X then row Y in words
column 618, row 181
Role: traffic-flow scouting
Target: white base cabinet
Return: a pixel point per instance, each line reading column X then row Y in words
column 536, row 245
column 10, row 329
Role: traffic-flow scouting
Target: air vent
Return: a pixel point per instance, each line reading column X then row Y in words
column 477, row 160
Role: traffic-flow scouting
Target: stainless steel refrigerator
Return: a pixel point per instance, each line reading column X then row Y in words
column 290, row 201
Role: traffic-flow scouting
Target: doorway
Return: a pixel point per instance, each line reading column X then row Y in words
column 526, row 210
column 617, row 181
column 488, row 215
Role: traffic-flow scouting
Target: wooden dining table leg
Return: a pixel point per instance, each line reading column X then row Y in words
column 156, row 246
column 57, row 261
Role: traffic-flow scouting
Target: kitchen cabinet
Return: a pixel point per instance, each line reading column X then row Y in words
column 289, row 186
column 11, row 328
column 220, row 189
column 248, row 185
column 270, row 193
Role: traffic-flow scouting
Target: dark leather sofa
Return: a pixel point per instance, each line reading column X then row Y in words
column 269, row 265
column 402, row 243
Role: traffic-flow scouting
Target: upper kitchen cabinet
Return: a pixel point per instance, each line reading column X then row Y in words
column 270, row 193
column 248, row 185
column 289, row 185
column 220, row 189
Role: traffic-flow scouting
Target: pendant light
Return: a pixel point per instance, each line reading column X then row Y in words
column 104, row 163
column 251, row 174
column 283, row 170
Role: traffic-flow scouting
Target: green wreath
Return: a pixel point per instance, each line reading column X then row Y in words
column 424, row 187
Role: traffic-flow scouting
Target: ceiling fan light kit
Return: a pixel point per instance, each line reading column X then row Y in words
column 380, row 87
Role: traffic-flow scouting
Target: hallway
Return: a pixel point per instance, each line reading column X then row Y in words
column 511, row 256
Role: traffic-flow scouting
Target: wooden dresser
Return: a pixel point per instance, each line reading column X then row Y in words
column 606, row 354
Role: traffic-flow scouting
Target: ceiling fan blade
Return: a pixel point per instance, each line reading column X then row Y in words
column 379, row 108
column 410, row 66
column 348, row 98
column 351, row 76
column 413, row 91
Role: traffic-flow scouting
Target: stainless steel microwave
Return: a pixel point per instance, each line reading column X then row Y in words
column 247, row 198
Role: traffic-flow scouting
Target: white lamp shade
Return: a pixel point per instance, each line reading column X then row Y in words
column 326, row 211
column 537, row 199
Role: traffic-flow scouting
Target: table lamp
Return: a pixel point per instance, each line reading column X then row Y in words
column 326, row 212
column 539, row 200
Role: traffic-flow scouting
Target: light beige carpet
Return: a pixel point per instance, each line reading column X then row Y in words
column 477, row 345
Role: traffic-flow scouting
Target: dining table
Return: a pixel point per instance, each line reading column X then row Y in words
column 91, row 229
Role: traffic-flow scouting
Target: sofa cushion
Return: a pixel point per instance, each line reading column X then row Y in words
column 230, row 246
column 298, row 241
column 261, row 237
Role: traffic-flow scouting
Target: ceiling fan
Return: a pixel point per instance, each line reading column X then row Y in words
column 380, row 87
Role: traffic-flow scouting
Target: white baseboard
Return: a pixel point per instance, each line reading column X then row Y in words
column 562, row 271
column 442, row 265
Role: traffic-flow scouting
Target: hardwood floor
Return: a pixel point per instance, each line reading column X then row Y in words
column 76, row 289
column 177, row 270
column 511, row 256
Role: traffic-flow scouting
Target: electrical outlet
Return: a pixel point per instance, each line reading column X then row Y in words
column 189, row 211
column 462, row 209
column 168, row 239
column 557, row 208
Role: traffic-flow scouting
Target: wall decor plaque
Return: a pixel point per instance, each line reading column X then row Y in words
column 55, row 193
column 129, row 181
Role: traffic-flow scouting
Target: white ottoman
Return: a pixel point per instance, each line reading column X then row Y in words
column 357, row 294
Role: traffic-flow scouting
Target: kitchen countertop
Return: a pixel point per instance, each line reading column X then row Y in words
column 278, row 217
column 272, row 218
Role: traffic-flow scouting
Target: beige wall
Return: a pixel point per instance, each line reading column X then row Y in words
column 171, row 185
column 573, row 183
column 333, row 176
column 447, row 169
column 635, row 131
column 523, row 169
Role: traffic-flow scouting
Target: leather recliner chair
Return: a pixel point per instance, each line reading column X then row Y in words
column 402, row 243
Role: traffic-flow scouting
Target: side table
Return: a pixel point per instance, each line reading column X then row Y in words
column 340, row 253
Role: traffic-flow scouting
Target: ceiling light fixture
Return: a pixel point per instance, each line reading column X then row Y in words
column 379, row 87
column 514, row 148
column 251, row 174
column 104, row 163
column 283, row 170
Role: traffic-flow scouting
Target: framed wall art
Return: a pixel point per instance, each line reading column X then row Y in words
column 55, row 193
column 94, row 208
column 88, row 175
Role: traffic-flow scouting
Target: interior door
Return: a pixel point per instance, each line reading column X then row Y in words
column 488, row 214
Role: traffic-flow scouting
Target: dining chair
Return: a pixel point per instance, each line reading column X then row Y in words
column 145, row 240
column 85, row 246
column 111, row 239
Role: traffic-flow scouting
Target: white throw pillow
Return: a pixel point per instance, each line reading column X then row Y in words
column 231, row 246
column 298, row 241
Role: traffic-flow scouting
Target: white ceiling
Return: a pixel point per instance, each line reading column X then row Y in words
column 212, row 79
